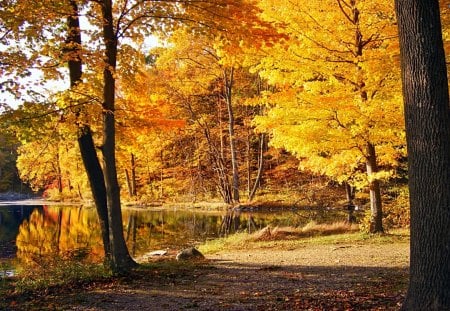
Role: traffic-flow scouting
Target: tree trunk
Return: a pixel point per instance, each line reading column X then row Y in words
column 219, row 167
column 228, row 80
column 121, row 259
column 133, row 175
column 376, row 219
column 59, row 173
column 425, row 91
column 350, row 194
column 84, row 135
column 97, row 183
column 127, row 178
column 161, row 175
column 260, row 168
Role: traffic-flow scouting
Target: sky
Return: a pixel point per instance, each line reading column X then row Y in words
column 52, row 86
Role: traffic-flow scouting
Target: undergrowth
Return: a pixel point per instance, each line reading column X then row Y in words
column 48, row 272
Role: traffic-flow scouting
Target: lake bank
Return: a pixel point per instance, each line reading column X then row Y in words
column 348, row 271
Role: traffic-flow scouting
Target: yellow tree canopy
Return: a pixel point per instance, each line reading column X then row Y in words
column 337, row 76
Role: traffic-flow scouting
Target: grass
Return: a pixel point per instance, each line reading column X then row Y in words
column 311, row 233
column 56, row 271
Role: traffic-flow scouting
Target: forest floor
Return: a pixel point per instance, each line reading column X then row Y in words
column 277, row 275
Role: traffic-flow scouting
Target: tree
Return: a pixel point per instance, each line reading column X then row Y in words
column 336, row 107
column 426, row 101
column 84, row 133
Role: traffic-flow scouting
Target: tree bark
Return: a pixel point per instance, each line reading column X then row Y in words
column 133, row 175
column 59, row 173
column 376, row 208
column 121, row 259
column 426, row 101
column 228, row 80
column 260, row 168
column 85, row 140
column 97, row 183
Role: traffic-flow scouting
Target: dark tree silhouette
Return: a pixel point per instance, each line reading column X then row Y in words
column 425, row 91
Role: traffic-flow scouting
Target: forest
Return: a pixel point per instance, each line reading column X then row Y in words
column 243, row 102
column 228, row 101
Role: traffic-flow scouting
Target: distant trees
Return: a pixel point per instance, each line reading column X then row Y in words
column 212, row 94
column 427, row 116
column 9, row 176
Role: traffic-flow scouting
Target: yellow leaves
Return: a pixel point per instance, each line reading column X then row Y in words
column 342, row 93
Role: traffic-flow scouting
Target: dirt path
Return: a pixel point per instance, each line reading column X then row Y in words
column 324, row 277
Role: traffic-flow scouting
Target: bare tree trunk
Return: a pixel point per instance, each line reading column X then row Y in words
column 121, row 259
column 133, row 176
column 131, row 180
column 161, row 176
column 127, row 178
column 59, row 173
column 350, row 194
column 257, row 182
column 249, row 162
column 219, row 167
column 228, row 80
column 376, row 220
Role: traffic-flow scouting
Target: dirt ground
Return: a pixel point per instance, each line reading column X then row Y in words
column 304, row 277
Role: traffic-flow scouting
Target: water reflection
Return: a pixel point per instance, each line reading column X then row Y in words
column 62, row 231
column 33, row 232
column 10, row 220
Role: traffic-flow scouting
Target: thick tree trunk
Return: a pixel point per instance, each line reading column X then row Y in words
column 85, row 140
column 376, row 208
column 121, row 259
column 425, row 90
column 228, row 79
column 97, row 183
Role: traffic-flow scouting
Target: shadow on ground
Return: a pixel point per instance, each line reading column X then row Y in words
column 231, row 286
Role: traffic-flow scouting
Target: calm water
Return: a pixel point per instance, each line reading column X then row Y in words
column 28, row 231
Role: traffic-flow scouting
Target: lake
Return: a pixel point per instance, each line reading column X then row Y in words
column 31, row 229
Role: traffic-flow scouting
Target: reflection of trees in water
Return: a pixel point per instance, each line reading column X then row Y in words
column 234, row 221
column 65, row 232
column 151, row 230
column 237, row 221
column 130, row 236
column 71, row 231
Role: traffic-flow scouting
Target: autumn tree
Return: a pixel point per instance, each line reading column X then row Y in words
column 73, row 56
column 336, row 108
column 211, row 83
column 149, row 123
column 426, row 100
column 134, row 20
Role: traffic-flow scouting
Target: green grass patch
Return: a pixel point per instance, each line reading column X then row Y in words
column 56, row 271
column 311, row 234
